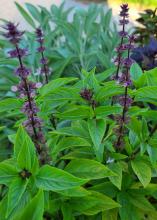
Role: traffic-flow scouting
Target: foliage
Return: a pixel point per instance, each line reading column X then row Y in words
column 87, row 175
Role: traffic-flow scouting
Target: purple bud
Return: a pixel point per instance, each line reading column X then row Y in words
column 86, row 94
column 41, row 49
column 127, row 62
column 39, row 33
column 12, row 33
column 125, row 101
column 29, row 110
column 123, row 21
column 124, row 10
column 123, row 34
column 43, row 61
column 22, row 72
column 14, row 53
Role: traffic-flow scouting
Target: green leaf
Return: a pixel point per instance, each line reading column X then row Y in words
column 19, row 140
column 35, row 208
column 63, row 94
column 140, row 202
column 69, row 142
column 27, row 154
column 127, row 210
column 93, row 204
column 79, row 112
column 51, row 178
column 9, row 104
column 142, row 170
column 56, row 83
column 25, row 15
column 88, row 169
column 67, row 212
column 147, row 93
column 135, row 72
column 104, row 111
column 16, row 190
column 7, row 172
column 104, row 75
column 110, row 214
column 34, row 11
column 97, row 128
column 75, row 192
column 108, row 90
column 116, row 180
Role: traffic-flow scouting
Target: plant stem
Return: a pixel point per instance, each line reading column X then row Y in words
column 28, row 96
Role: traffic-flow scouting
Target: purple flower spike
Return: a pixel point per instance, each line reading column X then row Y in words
column 27, row 89
column 12, row 33
column 123, row 34
column 41, row 49
column 124, row 10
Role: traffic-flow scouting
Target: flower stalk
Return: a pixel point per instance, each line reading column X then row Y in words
column 123, row 34
column 44, row 69
column 125, row 100
column 26, row 89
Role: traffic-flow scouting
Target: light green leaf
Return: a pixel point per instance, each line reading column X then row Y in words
column 93, row 204
column 25, row 15
column 35, row 208
column 7, row 172
column 88, row 169
column 75, row 192
column 79, row 112
column 67, row 212
column 34, row 11
column 19, row 140
column 142, row 170
column 69, row 142
column 10, row 104
column 147, row 93
column 135, row 72
column 56, row 83
column 107, row 91
column 104, row 111
column 97, row 128
column 116, row 180
column 27, row 154
column 16, row 190
column 110, row 214
column 54, row 179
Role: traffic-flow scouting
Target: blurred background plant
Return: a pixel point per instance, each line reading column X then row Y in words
column 146, row 32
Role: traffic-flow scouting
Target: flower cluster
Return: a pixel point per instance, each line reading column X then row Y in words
column 123, row 34
column 146, row 56
column 26, row 89
column 40, row 38
column 87, row 94
column 124, row 78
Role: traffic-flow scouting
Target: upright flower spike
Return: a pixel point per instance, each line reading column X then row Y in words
column 125, row 101
column 123, row 34
column 26, row 89
column 40, row 38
